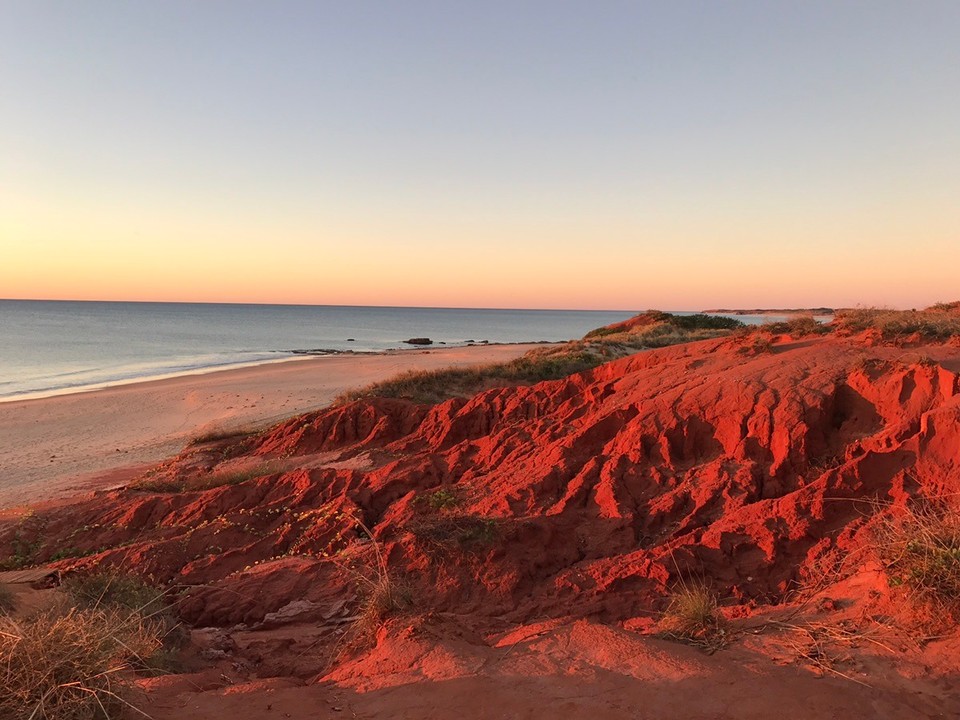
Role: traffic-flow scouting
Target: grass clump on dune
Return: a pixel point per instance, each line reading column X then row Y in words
column 457, row 530
column 114, row 589
column 757, row 343
column 693, row 616
column 656, row 323
column 656, row 329
column 383, row 598
column 937, row 323
column 438, row 500
column 657, row 336
column 948, row 307
column 75, row 660
column 431, row 386
column 382, row 594
column 130, row 594
column 921, row 549
column 70, row 665
column 440, row 524
column 206, row 481
column 219, row 434
column 800, row 326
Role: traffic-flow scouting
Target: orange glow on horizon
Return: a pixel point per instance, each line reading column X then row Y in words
column 88, row 251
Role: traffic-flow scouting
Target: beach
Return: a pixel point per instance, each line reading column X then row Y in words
column 66, row 444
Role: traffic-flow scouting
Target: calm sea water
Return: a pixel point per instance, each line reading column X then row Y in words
column 51, row 347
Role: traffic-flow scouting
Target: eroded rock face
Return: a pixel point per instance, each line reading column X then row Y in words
column 584, row 496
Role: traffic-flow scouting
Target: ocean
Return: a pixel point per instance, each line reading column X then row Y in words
column 57, row 347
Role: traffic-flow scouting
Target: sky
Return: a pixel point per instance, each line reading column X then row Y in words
column 603, row 155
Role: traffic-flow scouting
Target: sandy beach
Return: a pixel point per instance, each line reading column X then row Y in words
column 59, row 445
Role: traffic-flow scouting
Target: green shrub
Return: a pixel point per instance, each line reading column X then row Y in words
column 25, row 544
column 442, row 499
column 639, row 324
column 701, row 321
column 456, row 530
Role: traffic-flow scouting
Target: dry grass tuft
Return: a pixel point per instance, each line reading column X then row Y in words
column 205, row 482
column 799, row 326
column 433, row 386
column 938, row 323
column 693, row 617
column 218, row 434
column 757, row 343
column 70, row 664
column 108, row 588
column 74, row 660
column 921, row 550
column 825, row 646
column 384, row 598
column 131, row 594
column 948, row 307
column 382, row 594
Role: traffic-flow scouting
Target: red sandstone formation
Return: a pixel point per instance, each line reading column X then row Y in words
column 600, row 488
column 588, row 497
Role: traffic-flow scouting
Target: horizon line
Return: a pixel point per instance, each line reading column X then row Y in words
column 337, row 305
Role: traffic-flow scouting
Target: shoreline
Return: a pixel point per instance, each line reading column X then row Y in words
column 78, row 441
column 123, row 382
column 289, row 356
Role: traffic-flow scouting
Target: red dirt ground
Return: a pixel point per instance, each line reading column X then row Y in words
column 538, row 532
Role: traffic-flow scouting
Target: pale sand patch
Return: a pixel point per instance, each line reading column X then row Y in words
column 53, row 446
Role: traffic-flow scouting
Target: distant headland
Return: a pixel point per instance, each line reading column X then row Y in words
column 774, row 311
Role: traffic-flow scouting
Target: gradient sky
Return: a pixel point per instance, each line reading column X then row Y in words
column 626, row 155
